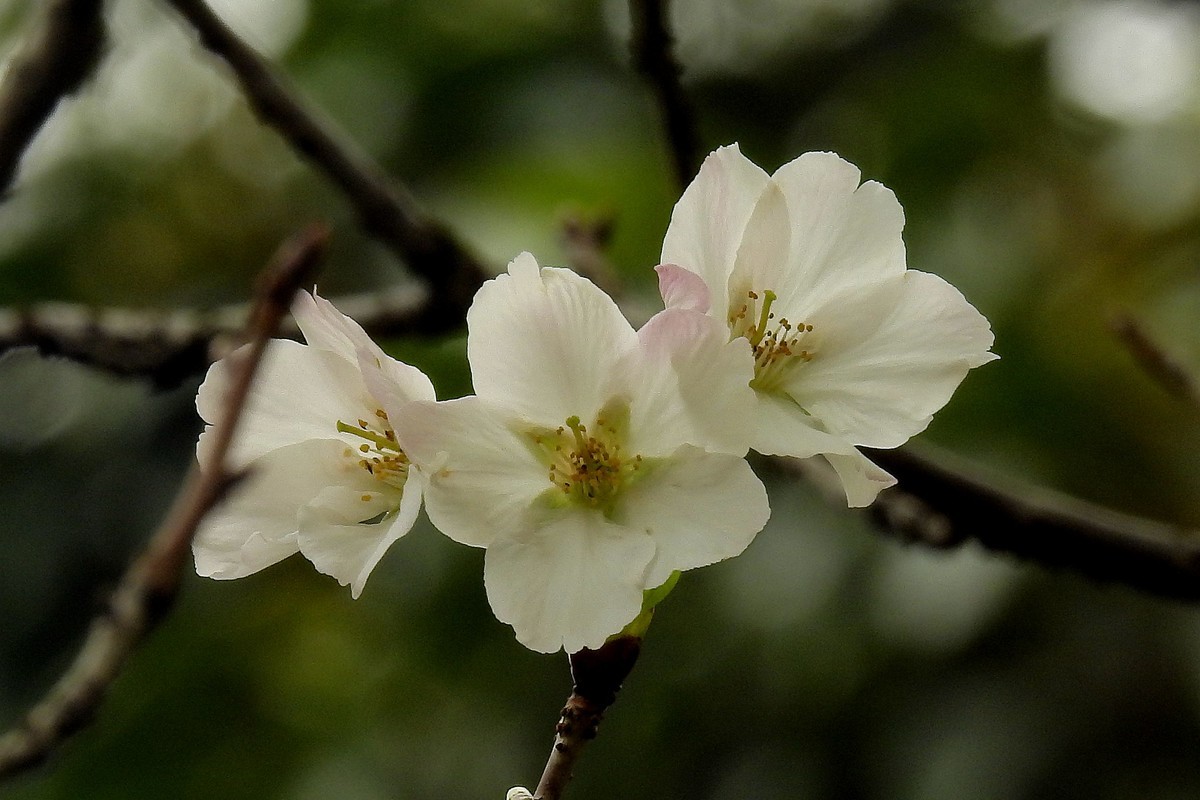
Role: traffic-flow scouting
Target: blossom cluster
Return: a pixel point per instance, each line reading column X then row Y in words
column 595, row 461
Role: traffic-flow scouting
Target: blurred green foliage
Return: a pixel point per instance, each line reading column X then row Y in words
column 826, row 662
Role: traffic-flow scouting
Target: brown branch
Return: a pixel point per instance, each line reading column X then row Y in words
column 171, row 346
column 148, row 587
column 1155, row 361
column 597, row 675
column 386, row 210
column 51, row 65
column 942, row 503
column 651, row 45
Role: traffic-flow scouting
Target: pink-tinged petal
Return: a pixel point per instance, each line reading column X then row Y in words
column 299, row 394
column 698, row 507
column 482, row 475
column 256, row 525
column 681, row 288
column 334, row 539
column 887, row 356
column 860, row 477
column 843, row 235
column 783, row 429
column 689, row 383
column 570, row 582
column 708, row 222
column 545, row 343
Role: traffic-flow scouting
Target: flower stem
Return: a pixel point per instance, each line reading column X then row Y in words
column 597, row 676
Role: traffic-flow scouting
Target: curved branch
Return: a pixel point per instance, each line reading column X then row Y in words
column 651, row 45
column 385, row 209
column 149, row 585
column 170, row 346
column 52, row 64
column 942, row 503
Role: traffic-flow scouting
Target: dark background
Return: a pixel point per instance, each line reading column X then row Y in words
column 1047, row 155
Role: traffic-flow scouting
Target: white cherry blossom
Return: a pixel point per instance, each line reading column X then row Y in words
column 806, row 268
column 594, row 460
column 326, row 475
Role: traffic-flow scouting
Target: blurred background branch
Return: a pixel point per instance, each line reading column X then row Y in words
column 385, row 209
column 1156, row 361
column 57, row 57
column 942, row 502
column 653, row 52
column 147, row 589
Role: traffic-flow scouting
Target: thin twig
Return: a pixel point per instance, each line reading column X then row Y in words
column 53, row 63
column 597, row 677
column 651, row 45
column 386, row 210
column 942, row 503
column 148, row 587
column 170, row 346
column 1155, row 361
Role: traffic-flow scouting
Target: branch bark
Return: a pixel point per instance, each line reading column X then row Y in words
column 942, row 503
column 385, row 209
column 54, row 61
column 651, row 44
column 150, row 584
column 597, row 677
column 169, row 347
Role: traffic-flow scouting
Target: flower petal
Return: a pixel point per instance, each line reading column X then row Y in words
column 861, row 478
column 763, row 252
column 782, row 428
column 299, row 394
column 708, row 221
column 888, row 356
column 257, row 524
column 698, row 507
column 682, row 288
column 333, row 537
column 482, row 475
column 689, row 383
column 570, row 583
column 842, row 234
column 545, row 342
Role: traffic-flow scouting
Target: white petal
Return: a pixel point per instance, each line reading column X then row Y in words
column 860, row 477
column 326, row 328
column 690, row 384
column 570, row 583
column 708, row 221
column 682, row 288
column 886, row 357
column 842, row 234
column 299, row 393
column 256, row 525
column 332, row 537
column 698, row 507
column 545, row 343
column 783, row 429
column 481, row 474
column 763, row 253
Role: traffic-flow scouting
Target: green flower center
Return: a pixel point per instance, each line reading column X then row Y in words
column 778, row 345
column 588, row 467
column 379, row 454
